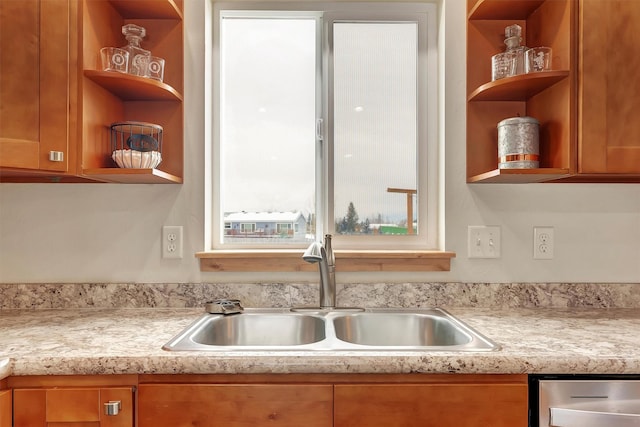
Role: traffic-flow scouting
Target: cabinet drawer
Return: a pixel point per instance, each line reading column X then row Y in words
column 72, row 405
column 79, row 407
column 431, row 405
column 256, row 405
column 5, row 408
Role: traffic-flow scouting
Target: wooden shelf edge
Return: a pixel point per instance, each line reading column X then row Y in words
column 519, row 176
column 517, row 88
column 613, row 178
column 495, row 9
column 132, row 176
column 44, row 177
column 148, row 9
column 346, row 261
column 133, row 88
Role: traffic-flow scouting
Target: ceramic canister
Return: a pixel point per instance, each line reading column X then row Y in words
column 518, row 143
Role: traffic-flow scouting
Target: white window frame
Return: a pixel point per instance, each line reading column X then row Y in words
column 427, row 169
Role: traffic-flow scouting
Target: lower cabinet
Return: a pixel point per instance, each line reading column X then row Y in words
column 234, row 405
column 265, row 400
column 5, row 408
column 449, row 400
column 430, row 405
column 77, row 407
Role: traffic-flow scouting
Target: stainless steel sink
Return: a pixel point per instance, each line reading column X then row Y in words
column 331, row 330
column 400, row 329
column 259, row 329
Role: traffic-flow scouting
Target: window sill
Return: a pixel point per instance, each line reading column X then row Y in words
column 346, row 261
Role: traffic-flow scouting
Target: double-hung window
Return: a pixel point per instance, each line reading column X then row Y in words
column 324, row 115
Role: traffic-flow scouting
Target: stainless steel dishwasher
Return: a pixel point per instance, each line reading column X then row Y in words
column 584, row 401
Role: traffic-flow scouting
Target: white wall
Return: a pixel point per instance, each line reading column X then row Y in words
column 111, row 233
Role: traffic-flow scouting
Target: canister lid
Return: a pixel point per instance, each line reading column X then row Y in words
column 519, row 121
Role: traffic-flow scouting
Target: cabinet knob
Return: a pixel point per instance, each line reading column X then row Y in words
column 112, row 407
column 56, row 156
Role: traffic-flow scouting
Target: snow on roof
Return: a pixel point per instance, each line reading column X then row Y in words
column 262, row 216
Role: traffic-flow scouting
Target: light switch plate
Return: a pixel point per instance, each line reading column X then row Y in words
column 483, row 241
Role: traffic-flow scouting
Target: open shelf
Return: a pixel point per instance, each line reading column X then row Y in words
column 132, row 176
column 545, row 96
column 148, row 9
column 501, row 9
column 109, row 97
column 520, row 176
column 517, row 88
column 133, row 88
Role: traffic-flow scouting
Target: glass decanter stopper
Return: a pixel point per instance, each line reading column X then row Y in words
column 138, row 57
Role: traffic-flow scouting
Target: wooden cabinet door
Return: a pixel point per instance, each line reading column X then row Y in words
column 5, row 408
column 609, row 87
column 77, row 407
column 431, row 405
column 228, row 405
column 34, row 83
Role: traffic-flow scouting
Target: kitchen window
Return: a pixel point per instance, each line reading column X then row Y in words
column 327, row 112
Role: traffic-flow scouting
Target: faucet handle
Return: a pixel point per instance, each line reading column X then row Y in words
column 331, row 259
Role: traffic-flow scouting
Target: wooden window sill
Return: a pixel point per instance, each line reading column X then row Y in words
column 346, row 261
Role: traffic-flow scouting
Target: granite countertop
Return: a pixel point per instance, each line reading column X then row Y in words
column 128, row 341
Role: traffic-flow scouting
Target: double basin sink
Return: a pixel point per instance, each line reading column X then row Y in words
column 330, row 330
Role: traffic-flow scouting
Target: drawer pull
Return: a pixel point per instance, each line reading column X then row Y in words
column 56, row 156
column 112, row 407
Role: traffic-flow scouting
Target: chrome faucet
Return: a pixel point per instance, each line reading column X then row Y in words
column 323, row 255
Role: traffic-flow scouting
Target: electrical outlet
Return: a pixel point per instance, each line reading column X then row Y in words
column 543, row 242
column 483, row 241
column 172, row 241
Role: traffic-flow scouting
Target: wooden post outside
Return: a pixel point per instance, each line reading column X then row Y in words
column 409, row 194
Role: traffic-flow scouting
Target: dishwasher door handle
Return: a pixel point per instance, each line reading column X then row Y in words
column 567, row 417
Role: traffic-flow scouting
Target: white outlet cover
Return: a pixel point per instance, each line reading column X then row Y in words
column 543, row 242
column 172, row 241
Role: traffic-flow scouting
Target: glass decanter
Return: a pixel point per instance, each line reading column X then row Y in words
column 138, row 57
column 515, row 52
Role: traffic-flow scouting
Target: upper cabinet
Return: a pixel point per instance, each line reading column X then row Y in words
column 74, row 102
column 574, row 101
column 609, row 88
column 36, row 74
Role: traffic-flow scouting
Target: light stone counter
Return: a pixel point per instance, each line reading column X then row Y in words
column 125, row 341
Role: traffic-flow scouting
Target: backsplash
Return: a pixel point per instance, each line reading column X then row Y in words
column 485, row 295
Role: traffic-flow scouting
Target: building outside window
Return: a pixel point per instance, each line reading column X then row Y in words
column 247, row 228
